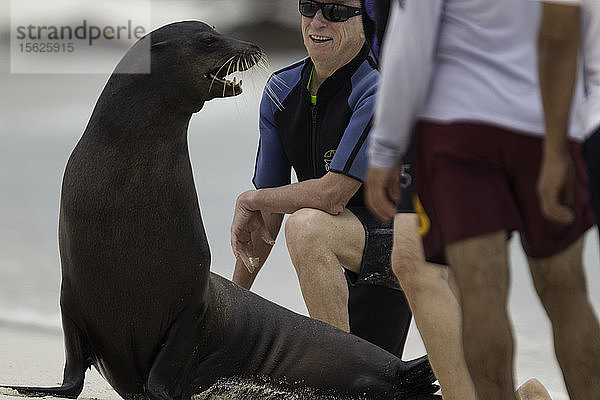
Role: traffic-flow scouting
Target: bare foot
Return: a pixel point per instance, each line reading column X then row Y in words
column 533, row 390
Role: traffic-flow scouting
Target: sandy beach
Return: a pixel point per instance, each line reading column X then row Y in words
column 36, row 357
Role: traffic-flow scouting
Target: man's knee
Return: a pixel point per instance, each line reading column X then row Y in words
column 408, row 260
column 410, row 268
column 480, row 264
column 561, row 276
column 304, row 229
column 551, row 290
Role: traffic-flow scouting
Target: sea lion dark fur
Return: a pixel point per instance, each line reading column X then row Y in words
column 138, row 300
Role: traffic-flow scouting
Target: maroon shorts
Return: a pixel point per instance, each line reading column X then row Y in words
column 474, row 179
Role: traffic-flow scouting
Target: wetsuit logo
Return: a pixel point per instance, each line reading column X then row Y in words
column 327, row 157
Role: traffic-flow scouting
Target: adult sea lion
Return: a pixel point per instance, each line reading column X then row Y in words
column 138, row 300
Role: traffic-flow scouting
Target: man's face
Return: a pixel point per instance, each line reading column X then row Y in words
column 333, row 43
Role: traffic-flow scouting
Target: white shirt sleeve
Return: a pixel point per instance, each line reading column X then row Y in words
column 408, row 58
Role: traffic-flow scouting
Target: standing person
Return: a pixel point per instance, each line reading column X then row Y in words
column 315, row 117
column 466, row 71
column 428, row 287
column 560, row 42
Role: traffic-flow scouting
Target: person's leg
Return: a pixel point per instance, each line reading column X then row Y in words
column 561, row 286
column 435, row 309
column 482, row 274
column 319, row 244
column 369, row 307
column 555, row 259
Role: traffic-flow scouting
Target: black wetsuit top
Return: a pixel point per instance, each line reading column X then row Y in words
column 315, row 139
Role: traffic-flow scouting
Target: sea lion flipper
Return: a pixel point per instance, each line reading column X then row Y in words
column 77, row 362
column 169, row 372
column 417, row 380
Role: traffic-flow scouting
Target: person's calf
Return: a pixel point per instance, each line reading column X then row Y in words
column 481, row 268
column 560, row 283
column 435, row 309
column 488, row 347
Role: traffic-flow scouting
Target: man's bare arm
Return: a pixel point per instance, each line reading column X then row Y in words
column 330, row 193
column 558, row 45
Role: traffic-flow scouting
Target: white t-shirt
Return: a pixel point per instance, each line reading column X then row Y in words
column 590, row 110
column 458, row 60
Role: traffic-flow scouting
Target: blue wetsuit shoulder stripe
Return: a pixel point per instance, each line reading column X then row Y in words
column 359, row 144
column 281, row 83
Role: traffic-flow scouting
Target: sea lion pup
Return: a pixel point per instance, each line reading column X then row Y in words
column 138, row 300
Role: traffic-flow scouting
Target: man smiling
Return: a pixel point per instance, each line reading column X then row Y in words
column 315, row 117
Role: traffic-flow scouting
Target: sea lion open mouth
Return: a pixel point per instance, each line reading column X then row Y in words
column 227, row 88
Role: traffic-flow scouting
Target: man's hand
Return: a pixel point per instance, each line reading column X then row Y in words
column 247, row 222
column 382, row 191
column 555, row 187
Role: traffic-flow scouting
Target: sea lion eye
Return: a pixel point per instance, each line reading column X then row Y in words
column 207, row 39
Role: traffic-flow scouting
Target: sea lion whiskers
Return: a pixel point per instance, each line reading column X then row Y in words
column 262, row 64
column 255, row 76
column 237, row 63
column 256, row 64
column 227, row 73
column 273, row 97
column 278, row 82
column 214, row 75
column 230, row 71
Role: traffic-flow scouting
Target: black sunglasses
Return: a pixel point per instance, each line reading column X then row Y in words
column 333, row 12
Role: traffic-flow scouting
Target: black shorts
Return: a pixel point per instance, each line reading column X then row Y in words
column 375, row 267
column 377, row 308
